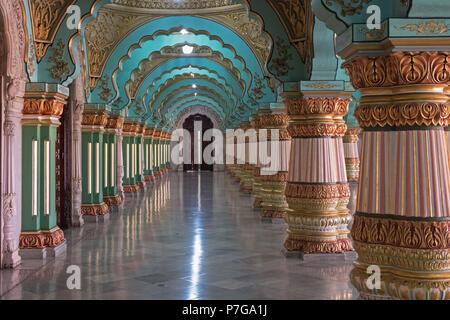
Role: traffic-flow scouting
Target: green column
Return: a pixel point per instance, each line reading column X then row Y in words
column 139, row 156
column 43, row 106
column 130, row 155
column 110, row 193
column 156, row 154
column 95, row 118
column 148, row 150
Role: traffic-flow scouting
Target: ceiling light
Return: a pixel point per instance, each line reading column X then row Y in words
column 184, row 31
column 188, row 49
column 194, row 86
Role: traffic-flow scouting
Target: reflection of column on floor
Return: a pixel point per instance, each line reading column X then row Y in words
column 317, row 189
column 274, row 170
column 43, row 107
column 402, row 216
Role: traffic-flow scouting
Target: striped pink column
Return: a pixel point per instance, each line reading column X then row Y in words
column 247, row 168
column 317, row 190
column 351, row 153
column 274, row 170
column 402, row 220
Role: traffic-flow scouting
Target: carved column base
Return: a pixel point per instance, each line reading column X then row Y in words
column 257, row 189
column 274, row 204
column 318, row 218
column 413, row 254
column 141, row 184
column 352, row 168
column 275, row 213
column 94, row 209
column 247, row 179
column 131, row 189
column 314, row 247
column 157, row 174
column 114, row 201
column 149, row 178
column 41, row 239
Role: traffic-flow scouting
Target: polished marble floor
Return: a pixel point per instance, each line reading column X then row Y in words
column 192, row 236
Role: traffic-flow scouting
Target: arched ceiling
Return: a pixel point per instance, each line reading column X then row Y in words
column 134, row 51
column 134, row 59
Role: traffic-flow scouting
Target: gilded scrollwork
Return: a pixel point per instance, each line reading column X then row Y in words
column 280, row 66
column 350, row 8
column 433, row 27
column 46, row 16
column 59, row 67
column 298, row 20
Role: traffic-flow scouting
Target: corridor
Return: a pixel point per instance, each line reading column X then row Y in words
column 189, row 236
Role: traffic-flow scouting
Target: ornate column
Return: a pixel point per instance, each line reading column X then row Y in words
column 168, row 160
column 43, row 107
column 317, row 190
column 95, row 120
column 273, row 187
column 402, row 221
column 246, row 169
column 257, row 185
column 140, row 181
column 119, row 164
column 148, row 151
column 157, row 153
column 351, row 153
column 11, row 171
column 77, row 119
column 130, row 130
column 111, row 195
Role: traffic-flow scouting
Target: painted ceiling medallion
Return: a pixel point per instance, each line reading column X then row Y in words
column 46, row 17
column 174, row 4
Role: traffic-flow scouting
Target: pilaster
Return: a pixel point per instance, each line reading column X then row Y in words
column 42, row 110
column 95, row 120
column 114, row 127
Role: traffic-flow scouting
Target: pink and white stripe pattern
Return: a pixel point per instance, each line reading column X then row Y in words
column 318, row 160
column 351, row 150
column 405, row 173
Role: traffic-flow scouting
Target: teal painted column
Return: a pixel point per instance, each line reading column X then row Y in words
column 110, row 189
column 168, row 163
column 140, row 156
column 130, row 131
column 43, row 107
column 95, row 119
column 157, row 153
column 148, row 153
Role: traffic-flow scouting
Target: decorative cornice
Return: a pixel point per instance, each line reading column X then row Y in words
column 95, row 118
column 319, row 191
column 399, row 69
column 403, row 114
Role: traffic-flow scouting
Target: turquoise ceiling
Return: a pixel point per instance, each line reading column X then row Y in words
column 133, row 58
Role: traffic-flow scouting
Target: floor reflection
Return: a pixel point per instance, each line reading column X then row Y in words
column 189, row 236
